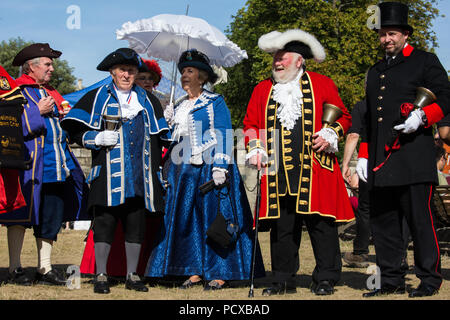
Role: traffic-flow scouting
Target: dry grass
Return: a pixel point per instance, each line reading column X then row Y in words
column 69, row 248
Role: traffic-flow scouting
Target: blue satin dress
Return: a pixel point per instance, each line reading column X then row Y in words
column 183, row 248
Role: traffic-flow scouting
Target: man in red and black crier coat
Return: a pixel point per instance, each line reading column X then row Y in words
column 402, row 180
column 302, row 182
column 11, row 197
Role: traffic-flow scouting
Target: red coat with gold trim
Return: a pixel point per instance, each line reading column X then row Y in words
column 320, row 187
column 11, row 197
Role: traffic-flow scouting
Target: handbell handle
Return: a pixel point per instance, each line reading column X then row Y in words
column 111, row 122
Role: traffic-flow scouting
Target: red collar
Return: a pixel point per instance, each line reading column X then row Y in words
column 407, row 50
column 26, row 80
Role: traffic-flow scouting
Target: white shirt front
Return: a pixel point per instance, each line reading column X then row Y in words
column 129, row 103
column 181, row 118
column 290, row 100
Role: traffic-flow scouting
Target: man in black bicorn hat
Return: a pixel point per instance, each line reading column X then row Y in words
column 397, row 155
column 124, row 127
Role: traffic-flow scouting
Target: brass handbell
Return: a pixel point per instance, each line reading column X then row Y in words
column 330, row 114
column 112, row 123
column 424, row 97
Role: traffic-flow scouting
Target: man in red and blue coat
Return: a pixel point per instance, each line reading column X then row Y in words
column 302, row 182
column 54, row 186
column 401, row 176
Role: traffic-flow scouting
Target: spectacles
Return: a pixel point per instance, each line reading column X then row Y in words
column 143, row 78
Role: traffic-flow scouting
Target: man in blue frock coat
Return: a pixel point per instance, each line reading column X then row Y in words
column 124, row 127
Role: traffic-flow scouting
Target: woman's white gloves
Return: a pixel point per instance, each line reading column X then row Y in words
column 219, row 177
column 169, row 114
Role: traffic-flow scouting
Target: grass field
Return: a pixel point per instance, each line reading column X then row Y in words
column 68, row 250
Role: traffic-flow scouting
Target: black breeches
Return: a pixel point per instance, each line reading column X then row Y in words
column 132, row 216
column 285, row 237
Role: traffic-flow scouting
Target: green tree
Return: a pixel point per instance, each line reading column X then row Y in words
column 340, row 25
column 62, row 78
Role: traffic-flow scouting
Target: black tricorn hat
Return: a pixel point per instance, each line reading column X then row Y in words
column 394, row 14
column 35, row 50
column 122, row 56
column 199, row 60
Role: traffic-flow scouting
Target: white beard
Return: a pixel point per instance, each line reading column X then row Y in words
column 290, row 100
column 289, row 74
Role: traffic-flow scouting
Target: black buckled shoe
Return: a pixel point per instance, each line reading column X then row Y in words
column 323, row 288
column 423, row 290
column 135, row 283
column 279, row 288
column 189, row 284
column 101, row 284
column 19, row 277
column 215, row 285
column 52, row 278
column 385, row 290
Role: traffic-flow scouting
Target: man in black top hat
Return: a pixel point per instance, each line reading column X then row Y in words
column 398, row 160
column 124, row 127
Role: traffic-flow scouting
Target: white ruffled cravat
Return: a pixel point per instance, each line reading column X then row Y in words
column 129, row 103
column 290, row 100
column 181, row 118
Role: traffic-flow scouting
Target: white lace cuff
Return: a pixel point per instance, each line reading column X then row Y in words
column 255, row 151
column 331, row 137
column 219, row 169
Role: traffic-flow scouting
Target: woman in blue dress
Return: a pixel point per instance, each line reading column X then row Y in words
column 200, row 153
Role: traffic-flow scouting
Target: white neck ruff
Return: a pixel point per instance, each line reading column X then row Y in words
column 129, row 103
column 290, row 100
column 181, row 118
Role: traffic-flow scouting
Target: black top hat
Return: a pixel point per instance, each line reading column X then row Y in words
column 122, row 56
column 394, row 14
column 35, row 50
column 197, row 59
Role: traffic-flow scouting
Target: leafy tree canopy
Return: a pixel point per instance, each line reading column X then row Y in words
column 62, row 78
column 340, row 26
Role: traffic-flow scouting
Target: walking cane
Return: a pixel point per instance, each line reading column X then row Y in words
column 258, row 200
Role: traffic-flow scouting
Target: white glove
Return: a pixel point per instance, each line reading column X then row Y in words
column 169, row 113
column 413, row 122
column 107, row 138
column 361, row 168
column 219, row 177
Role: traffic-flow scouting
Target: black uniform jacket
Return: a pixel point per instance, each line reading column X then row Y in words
column 388, row 86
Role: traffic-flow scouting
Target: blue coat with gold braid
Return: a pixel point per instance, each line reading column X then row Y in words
column 183, row 248
column 132, row 167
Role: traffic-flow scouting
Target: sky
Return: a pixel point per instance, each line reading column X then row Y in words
column 84, row 42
